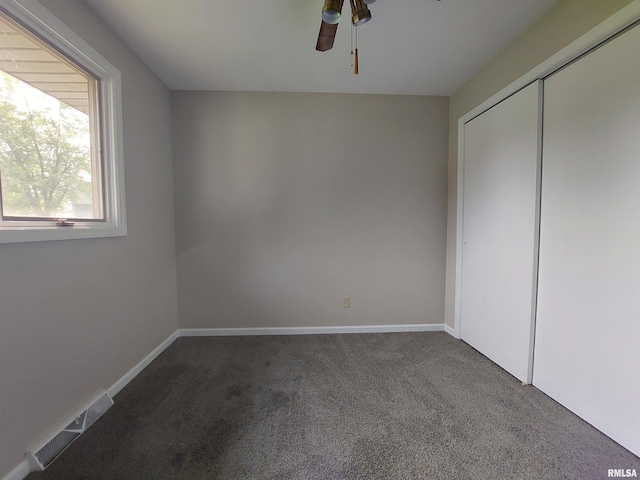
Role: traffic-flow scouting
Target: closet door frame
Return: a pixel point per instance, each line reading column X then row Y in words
column 590, row 40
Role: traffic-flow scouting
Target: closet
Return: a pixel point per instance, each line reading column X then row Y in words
column 580, row 294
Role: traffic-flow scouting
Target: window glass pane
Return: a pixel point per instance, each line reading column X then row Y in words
column 48, row 168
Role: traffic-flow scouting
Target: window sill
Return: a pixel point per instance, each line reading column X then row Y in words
column 19, row 234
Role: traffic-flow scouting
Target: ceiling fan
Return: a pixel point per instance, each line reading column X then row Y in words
column 331, row 15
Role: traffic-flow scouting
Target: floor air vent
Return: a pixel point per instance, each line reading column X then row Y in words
column 41, row 457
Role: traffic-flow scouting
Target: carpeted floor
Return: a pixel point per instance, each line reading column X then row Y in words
column 358, row 406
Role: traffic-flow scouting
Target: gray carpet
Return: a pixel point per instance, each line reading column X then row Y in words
column 370, row 406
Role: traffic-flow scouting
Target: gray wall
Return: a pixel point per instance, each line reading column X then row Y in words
column 76, row 315
column 563, row 24
column 285, row 203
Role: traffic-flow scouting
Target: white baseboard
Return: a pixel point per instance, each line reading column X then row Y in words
column 131, row 374
column 451, row 331
column 18, row 473
column 235, row 332
column 225, row 332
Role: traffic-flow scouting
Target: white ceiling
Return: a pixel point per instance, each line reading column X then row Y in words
column 410, row 47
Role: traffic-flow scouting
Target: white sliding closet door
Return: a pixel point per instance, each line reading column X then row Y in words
column 587, row 350
column 500, row 195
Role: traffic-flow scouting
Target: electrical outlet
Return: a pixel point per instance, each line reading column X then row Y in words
column 346, row 302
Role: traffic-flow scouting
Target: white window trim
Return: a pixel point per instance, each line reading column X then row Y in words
column 42, row 22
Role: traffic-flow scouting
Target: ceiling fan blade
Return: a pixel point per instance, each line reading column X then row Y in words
column 327, row 34
column 326, row 37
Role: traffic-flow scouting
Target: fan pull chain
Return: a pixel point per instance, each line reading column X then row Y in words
column 355, row 61
column 351, row 31
column 355, row 66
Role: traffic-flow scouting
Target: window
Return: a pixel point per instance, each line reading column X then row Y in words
column 61, row 168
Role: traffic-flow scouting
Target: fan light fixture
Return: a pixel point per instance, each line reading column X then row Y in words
column 331, row 12
column 361, row 13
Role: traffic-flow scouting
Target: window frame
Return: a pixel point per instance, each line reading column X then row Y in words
column 42, row 23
